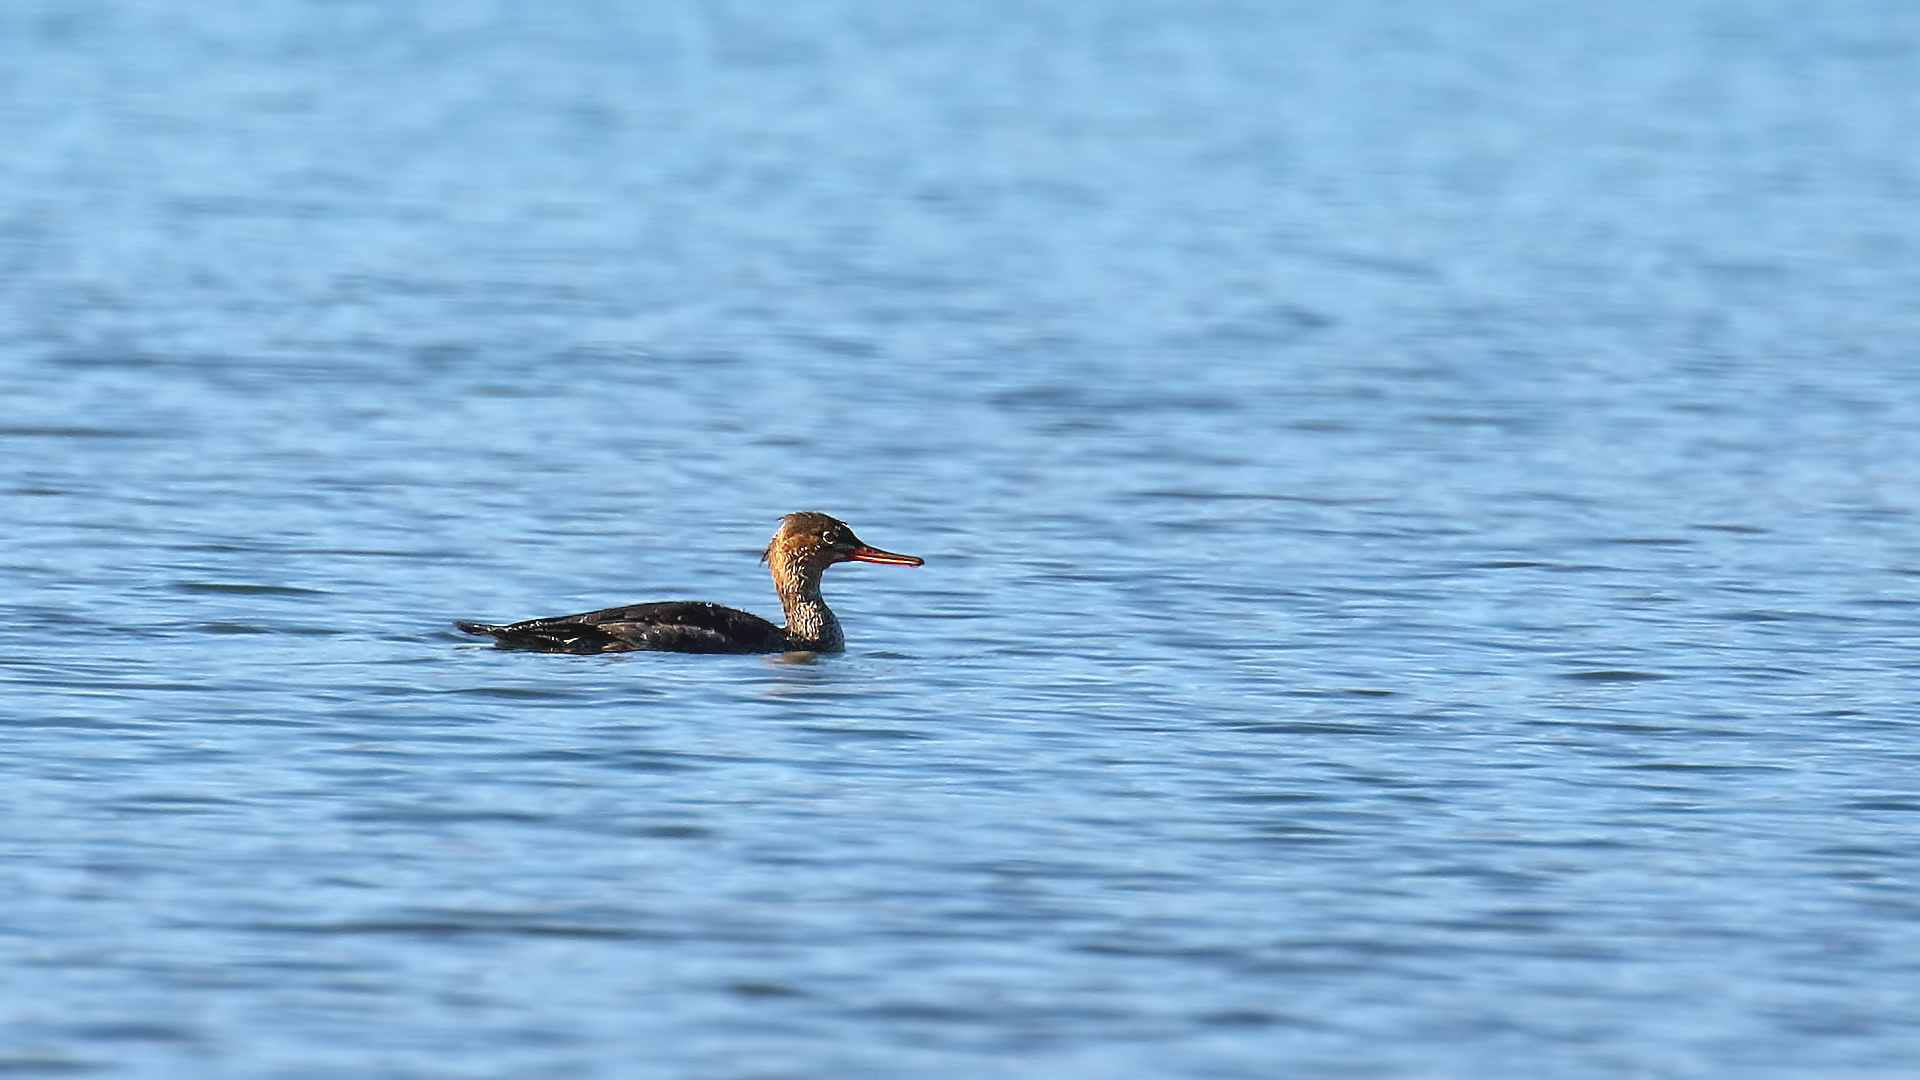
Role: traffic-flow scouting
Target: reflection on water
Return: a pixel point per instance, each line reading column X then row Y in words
column 1420, row 557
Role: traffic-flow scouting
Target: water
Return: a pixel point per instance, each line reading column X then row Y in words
column 1418, row 500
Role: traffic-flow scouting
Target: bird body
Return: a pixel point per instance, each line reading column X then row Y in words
column 799, row 553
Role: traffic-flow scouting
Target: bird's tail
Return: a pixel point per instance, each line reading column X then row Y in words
column 545, row 635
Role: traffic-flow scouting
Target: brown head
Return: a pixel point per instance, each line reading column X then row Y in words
column 808, row 542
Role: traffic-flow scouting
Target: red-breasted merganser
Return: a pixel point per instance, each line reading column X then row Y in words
column 807, row 543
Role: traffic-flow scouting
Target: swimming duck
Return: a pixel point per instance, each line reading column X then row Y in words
column 799, row 553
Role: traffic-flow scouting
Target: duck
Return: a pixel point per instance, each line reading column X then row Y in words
column 806, row 544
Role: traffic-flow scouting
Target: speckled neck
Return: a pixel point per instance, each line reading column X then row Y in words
column 811, row 624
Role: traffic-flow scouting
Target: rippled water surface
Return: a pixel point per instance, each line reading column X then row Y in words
column 1419, row 506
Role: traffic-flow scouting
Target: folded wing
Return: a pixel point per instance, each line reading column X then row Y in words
column 667, row 626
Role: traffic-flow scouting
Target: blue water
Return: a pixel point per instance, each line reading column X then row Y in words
column 1419, row 507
